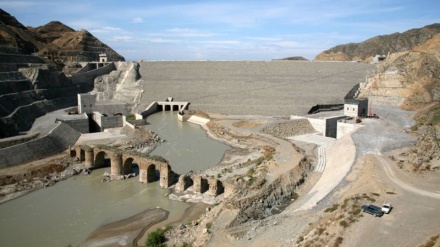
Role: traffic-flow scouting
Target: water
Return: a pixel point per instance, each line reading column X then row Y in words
column 69, row 211
column 187, row 146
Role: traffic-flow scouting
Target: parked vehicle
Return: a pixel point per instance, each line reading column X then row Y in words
column 372, row 209
column 386, row 208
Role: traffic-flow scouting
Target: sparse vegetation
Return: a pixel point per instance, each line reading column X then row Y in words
column 332, row 208
column 432, row 241
column 157, row 237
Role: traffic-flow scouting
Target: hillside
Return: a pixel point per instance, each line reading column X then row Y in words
column 411, row 80
column 380, row 45
column 54, row 41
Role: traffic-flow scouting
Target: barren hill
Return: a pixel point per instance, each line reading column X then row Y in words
column 54, row 40
column 408, row 79
column 380, row 45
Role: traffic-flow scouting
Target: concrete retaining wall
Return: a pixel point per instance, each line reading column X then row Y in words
column 57, row 141
column 89, row 76
column 106, row 122
column 80, row 125
column 318, row 124
column 151, row 109
column 7, row 142
column 331, row 126
column 345, row 129
column 198, row 120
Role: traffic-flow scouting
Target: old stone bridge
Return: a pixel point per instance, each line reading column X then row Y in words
column 122, row 162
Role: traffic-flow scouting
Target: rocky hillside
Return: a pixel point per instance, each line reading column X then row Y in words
column 408, row 79
column 411, row 80
column 380, row 45
column 54, row 41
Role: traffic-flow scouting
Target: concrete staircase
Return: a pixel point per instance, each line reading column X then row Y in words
column 322, row 142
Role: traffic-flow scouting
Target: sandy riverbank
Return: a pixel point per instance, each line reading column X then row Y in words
column 133, row 231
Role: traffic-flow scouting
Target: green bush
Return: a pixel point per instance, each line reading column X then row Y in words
column 156, row 238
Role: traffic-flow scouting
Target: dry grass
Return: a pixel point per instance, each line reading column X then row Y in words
column 338, row 218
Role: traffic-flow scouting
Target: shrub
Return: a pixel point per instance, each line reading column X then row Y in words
column 157, row 238
column 338, row 241
column 343, row 223
column 332, row 208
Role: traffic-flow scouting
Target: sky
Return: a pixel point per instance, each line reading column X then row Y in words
column 227, row 29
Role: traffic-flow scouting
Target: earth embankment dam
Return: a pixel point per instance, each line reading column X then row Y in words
column 272, row 88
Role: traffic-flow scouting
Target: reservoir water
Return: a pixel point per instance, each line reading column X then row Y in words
column 69, row 211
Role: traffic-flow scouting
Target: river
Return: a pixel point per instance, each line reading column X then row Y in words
column 69, row 211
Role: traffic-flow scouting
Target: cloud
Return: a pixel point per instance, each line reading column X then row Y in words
column 122, row 38
column 187, row 32
column 137, row 20
column 106, row 30
column 161, row 40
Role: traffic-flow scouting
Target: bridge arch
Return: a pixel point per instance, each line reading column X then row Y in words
column 121, row 163
column 131, row 165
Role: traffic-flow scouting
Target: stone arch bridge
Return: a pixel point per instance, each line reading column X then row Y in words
column 121, row 163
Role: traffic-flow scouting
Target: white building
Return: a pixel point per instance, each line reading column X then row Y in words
column 356, row 107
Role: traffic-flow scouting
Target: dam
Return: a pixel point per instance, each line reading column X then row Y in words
column 268, row 88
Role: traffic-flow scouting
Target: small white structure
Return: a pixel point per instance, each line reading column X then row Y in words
column 356, row 107
column 86, row 103
column 102, row 58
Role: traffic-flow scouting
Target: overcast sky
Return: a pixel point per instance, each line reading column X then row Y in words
column 227, row 29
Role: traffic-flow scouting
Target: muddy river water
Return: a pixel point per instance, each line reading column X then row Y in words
column 69, row 211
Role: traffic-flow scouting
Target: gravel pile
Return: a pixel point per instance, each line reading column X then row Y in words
column 384, row 134
column 290, row 128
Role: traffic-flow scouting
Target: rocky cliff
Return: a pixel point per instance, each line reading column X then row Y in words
column 54, row 41
column 411, row 80
column 408, row 79
column 380, row 45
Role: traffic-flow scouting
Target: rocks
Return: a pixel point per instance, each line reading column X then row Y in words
column 290, row 128
column 107, row 177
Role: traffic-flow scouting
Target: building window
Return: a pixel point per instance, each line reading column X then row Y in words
column 90, row 105
column 85, row 106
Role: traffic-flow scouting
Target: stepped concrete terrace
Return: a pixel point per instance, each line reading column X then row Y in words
column 275, row 88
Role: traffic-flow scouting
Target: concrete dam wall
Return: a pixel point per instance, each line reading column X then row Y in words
column 57, row 141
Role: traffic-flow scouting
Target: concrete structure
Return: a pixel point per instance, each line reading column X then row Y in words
column 58, row 140
column 121, row 163
column 106, row 122
column 168, row 105
column 323, row 124
column 79, row 122
column 105, row 114
column 86, row 103
column 270, row 88
column 86, row 79
column 346, row 127
column 356, row 107
column 102, row 57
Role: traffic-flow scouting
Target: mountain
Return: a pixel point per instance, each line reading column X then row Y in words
column 54, row 41
column 380, row 45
